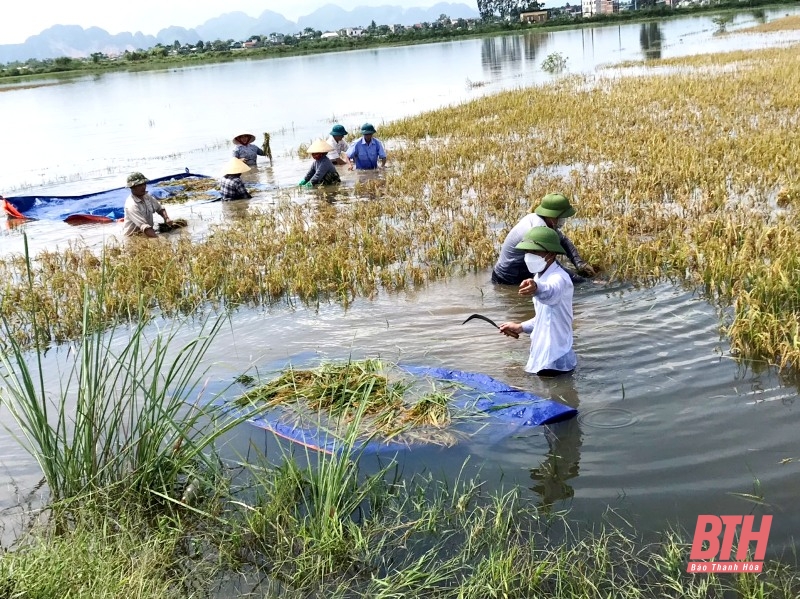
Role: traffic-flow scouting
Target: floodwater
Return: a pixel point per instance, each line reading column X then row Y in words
column 670, row 425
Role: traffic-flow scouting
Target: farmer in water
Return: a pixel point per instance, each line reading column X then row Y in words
column 140, row 207
column 246, row 150
column 322, row 171
column 551, row 328
column 551, row 212
column 231, row 184
column 339, row 145
column 367, row 151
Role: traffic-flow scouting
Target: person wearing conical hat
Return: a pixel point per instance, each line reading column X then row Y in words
column 322, row 171
column 367, row 151
column 339, row 145
column 550, row 329
column 140, row 207
column 231, row 184
column 246, row 150
column 551, row 212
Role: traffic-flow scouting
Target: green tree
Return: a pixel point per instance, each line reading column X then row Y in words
column 489, row 9
column 176, row 44
column 135, row 55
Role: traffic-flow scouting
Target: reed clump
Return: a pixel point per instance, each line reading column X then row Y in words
column 675, row 175
column 119, row 416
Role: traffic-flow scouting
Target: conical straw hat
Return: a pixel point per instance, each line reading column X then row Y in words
column 235, row 166
column 249, row 138
column 319, row 147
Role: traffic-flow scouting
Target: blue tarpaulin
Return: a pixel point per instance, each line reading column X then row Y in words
column 502, row 404
column 105, row 205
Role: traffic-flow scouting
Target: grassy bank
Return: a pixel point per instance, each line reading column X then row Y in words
column 414, row 540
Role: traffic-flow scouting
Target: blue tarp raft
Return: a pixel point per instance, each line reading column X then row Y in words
column 105, row 206
column 502, row 405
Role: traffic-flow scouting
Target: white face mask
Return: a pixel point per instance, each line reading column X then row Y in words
column 560, row 222
column 535, row 264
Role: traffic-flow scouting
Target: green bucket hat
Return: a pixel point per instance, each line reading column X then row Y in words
column 338, row 130
column 136, row 179
column 367, row 129
column 555, row 205
column 541, row 239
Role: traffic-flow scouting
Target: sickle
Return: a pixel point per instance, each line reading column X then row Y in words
column 482, row 317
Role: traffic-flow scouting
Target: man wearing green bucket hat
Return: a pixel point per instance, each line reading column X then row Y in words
column 336, row 140
column 550, row 329
column 140, row 207
column 367, row 151
column 551, row 212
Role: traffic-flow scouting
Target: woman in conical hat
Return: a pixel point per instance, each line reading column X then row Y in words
column 245, row 149
column 322, row 172
column 231, row 184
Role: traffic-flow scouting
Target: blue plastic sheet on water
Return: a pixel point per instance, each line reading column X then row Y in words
column 109, row 204
column 504, row 406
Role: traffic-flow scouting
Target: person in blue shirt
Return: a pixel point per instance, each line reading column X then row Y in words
column 367, row 151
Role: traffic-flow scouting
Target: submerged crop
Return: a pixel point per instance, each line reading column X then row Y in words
column 675, row 176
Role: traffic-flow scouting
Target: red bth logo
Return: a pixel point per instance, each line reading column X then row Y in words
column 708, row 546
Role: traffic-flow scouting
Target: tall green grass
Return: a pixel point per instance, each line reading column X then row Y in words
column 120, row 414
column 326, row 528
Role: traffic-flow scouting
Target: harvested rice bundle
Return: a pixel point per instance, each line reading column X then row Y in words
column 178, row 223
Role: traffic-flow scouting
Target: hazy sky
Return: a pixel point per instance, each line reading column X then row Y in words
column 149, row 16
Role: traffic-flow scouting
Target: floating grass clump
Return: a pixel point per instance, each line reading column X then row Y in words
column 387, row 402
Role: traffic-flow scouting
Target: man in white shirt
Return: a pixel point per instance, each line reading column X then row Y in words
column 550, row 329
column 140, row 207
column 339, row 145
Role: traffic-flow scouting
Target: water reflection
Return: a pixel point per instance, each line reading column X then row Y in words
column 533, row 43
column 759, row 15
column 499, row 53
column 560, row 464
column 511, row 53
column 650, row 39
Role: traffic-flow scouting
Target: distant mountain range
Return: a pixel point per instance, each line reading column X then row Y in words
column 75, row 41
